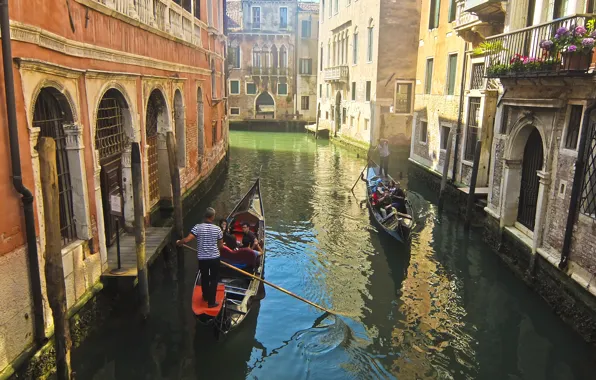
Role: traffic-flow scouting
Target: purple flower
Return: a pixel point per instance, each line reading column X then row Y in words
column 562, row 31
column 572, row 48
column 580, row 31
column 588, row 42
column 556, row 37
column 546, row 44
column 593, row 34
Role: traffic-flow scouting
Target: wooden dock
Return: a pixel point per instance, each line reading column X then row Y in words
column 156, row 238
column 323, row 132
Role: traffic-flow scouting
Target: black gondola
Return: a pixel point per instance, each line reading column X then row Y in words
column 236, row 293
column 398, row 225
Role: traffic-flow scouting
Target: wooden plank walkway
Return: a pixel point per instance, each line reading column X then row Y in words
column 156, row 238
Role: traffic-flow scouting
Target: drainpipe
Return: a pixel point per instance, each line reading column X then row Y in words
column 17, row 179
column 460, row 111
column 576, row 189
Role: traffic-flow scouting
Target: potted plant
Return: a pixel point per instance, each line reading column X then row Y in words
column 575, row 46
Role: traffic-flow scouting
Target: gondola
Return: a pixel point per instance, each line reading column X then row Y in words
column 236, row 293
column 398, row 225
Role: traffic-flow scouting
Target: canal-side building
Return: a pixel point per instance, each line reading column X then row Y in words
column 97, row 76
column 307, row 35
column 452, row 95
column 542, row 199
column 366, row 73
column 262, row 59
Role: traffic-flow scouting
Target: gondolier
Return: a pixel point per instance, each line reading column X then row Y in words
column 209, row 241
column 383, row 148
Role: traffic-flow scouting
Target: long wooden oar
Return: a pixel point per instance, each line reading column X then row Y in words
column 275, row 286
column 359, row 176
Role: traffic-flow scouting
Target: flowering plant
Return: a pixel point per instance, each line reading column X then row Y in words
column 576, row 39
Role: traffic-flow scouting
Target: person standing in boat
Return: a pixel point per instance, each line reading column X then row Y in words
column 383, row 148
column 209, row 241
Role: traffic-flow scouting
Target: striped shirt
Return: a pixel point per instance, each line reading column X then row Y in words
column 384, row 149
column 207, row 235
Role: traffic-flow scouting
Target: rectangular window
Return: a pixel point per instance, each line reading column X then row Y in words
column 504, row 120
column 451, row 73
column 422, row 136
column 251, row 89
column 433, row 18
column 452, row 10
column 304, row 102
column 573, row 127
column 366, row 124
column 234, row 87
column 403, row 98
column 306, row 29
column 353, row 90
column 234, row 111
column 428, row 81
column 282, row 89
column 477, row 80
column 321, row 61
column 368, row 91
column 306, row 66
column 472, row 128
column 256, row 59
column 444, row 136
column 235, row 57
column 352, row 121
column 330, row 8
column 355, row 49
column 335, row 6
column 369, row 48
column 283, row 18
column 320, row 90
column 256, row 17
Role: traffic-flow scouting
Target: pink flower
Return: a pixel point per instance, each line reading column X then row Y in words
column 580, row 31
column 572, row 48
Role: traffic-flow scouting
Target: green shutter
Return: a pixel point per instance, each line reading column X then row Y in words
column 235, row 87
column 452, row 74
column 429, row 76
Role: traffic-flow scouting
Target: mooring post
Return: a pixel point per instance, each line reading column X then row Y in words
column 137, row 193
column 472, row 193
column 317, row 125
column 54, row 270
column 445, row 169
column 176, row 188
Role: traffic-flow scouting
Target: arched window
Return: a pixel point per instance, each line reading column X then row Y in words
column 213, row 82
column 283, row 57
column 256, row 56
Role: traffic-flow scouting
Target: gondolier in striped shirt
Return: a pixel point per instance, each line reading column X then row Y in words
column 209, row 240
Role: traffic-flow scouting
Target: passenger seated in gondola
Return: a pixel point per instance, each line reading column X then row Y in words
column 380, row 199
column 228, row 238
column 249, row 240
column 398, row 199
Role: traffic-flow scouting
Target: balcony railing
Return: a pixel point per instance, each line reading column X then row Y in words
column 464, row 18
column 522, row 53
column 269, row 71
column 164, row 15
column 337, row 73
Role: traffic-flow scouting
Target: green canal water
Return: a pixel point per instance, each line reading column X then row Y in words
column 444, row 308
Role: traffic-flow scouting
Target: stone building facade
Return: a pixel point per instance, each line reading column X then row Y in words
column 367, row 75
column 307, row 36
column 97, row 75
column 542, row 184
column 262, row 59
column 452, row 95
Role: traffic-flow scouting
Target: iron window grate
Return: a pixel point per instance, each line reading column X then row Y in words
column 588, row 194
column 477, row 81
column 472, row 128
column 109, row 135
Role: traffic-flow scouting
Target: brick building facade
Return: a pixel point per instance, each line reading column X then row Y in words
column 96, row 76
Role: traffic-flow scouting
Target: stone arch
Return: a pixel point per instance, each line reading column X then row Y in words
column 264, row 105
column 124, row 100
column 179, row 127
column 514, row 149
column 157, row 124
column 113, row 133
column 62, row 96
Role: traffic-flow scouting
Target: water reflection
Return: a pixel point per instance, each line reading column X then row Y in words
column 446, row 307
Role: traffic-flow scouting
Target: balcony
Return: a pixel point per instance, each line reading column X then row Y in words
column 269, row 71
column 163, row 15
column 337, row 74
column 478, row 19
column 521, row 53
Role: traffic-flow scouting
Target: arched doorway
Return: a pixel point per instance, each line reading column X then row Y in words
column 528, row 196
column 51, row 113
column 180, row 131
column 110, row 142
column 338, row 112
column 200, row 127
column 264, row 106
column 156, row 124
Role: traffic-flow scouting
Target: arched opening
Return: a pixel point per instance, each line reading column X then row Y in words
column 52, row 112
column 156, row 125
column 264, row 106
column 110, row 143
column 338, row 112
column 532, row 161
column 180, row 131
column 200, row 127
column 274, row 59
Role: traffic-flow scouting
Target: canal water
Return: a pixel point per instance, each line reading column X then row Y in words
column 444, row 308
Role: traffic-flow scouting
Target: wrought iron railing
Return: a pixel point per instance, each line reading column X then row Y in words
column 269, row 71
column 540, row 51
column 165, row 15
column 337, row 73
